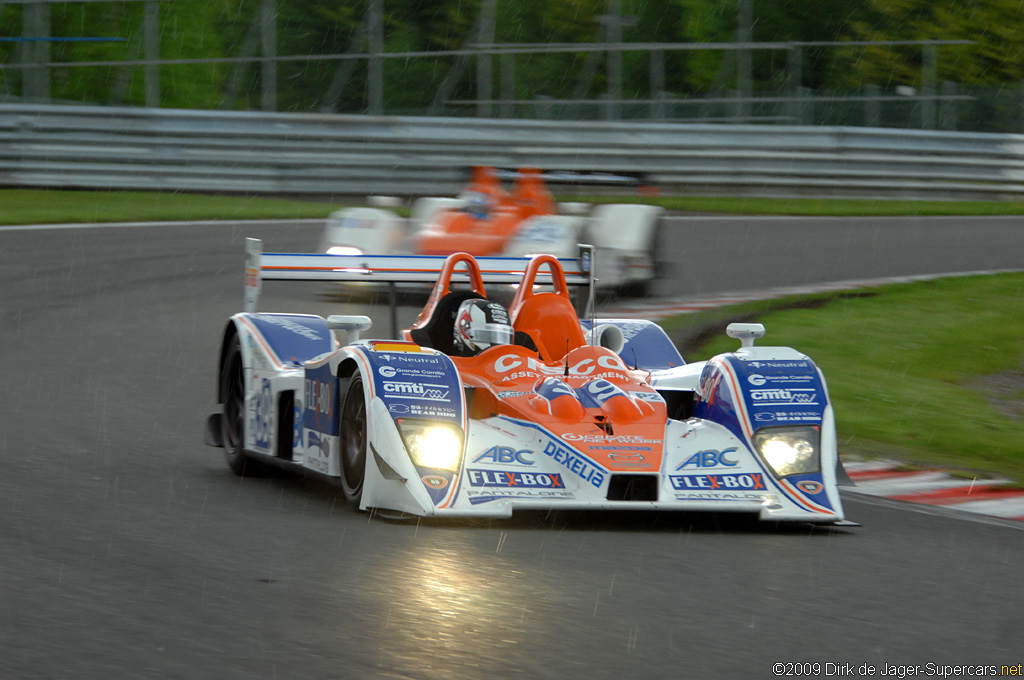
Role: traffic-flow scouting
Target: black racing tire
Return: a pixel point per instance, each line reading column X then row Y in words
column 353, row 441
column 232, row 390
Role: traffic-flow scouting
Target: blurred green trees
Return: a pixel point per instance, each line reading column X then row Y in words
column 196, row 29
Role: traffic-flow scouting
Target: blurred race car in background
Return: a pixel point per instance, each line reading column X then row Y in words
column 479, row 410
column 485, row 220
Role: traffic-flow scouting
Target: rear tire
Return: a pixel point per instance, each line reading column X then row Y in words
column 232, row 390
column 353, row 441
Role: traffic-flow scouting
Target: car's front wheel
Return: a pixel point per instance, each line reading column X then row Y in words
column 353, row 441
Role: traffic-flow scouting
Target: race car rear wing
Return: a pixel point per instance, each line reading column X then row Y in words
column 392, row 269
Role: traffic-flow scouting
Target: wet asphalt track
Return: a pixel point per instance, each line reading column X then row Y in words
column 128, row 550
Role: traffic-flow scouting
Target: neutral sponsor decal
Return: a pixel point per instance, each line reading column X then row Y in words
column 779, row 364
column 406, row 357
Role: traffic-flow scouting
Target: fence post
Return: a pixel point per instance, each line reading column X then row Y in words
column 508, row 85
column 806, row 105
column 151, row 40
column 35, row 78
column 375, row 67
column 484, row 70
column 795, row 77
column 268, row 44
column 929, row 71
column 657, row 89
column 872, row 106
column 947, row 108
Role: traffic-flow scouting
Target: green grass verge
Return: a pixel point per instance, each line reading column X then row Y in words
column 41, row 206
column 926, row 372
column 825, row 207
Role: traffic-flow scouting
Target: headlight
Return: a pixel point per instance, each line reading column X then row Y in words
column 789, row 450
column 432, row 444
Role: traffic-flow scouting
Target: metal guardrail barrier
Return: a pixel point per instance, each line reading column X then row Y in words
column 336, row 155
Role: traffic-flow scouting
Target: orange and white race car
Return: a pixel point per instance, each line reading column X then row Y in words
column 482, row 410
column 485, row 220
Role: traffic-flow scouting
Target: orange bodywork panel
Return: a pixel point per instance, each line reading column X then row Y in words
column 626, row 410
column 487, row 233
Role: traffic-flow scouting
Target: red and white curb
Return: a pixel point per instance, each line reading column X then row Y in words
column 889, row 479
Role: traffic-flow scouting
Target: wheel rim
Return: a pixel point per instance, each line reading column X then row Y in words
column 353, row 438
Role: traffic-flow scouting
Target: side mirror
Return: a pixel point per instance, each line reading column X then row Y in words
column 352, row 324
column 746, row 333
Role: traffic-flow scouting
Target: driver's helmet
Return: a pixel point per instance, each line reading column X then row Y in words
column 478, row 204
column 480, row 324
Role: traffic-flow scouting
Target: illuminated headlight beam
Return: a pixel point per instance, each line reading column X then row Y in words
column 789, row 450
column 432, row 444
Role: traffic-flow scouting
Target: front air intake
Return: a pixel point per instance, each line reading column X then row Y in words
column 633, row 488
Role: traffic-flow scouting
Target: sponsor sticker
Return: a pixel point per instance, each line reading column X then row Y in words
column 789, row 395
column 752, row 481
column 263, row 407
column 710, row 459
column 514, row 479
column 505, row 455
column 575, row 463
column 411, row 390
column 810, row 486
column 435, row 482
column 508, row 394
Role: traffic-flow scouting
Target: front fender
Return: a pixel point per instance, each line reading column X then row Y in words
column 775, row 389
